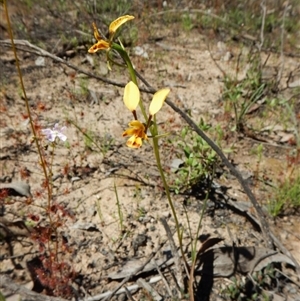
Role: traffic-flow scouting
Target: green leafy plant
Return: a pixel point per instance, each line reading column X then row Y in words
column 187, row 22
column 252, row 287
column 241, row 95
column 198, row 158
column 287, row 195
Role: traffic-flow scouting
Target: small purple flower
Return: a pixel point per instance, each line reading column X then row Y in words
column 51, row 134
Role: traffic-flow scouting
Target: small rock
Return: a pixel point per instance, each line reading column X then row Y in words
column 144, row 219
column 292, row 290
column 140, row 51
column 294, row 84
column 70, row 53
column 40, row 61
column 287, row 138
column 89, row 59
column 166, row 214
column 152, row 228
column 210, row 204
column 220, row 213
column 75, row 179
column 227, row 57
column 221, row 46
column 103, row 68
column 85, row 226
column 176, row 164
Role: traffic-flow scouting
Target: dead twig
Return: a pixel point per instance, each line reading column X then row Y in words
column 162, row 277
column 177, row 258
column 154, row 294
column 128, row 294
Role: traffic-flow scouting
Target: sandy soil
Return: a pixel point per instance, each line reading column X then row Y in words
column 85, row 176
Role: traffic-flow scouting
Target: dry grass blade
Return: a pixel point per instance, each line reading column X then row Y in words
column 163, row 278
column 128, row 294
column 154, row 294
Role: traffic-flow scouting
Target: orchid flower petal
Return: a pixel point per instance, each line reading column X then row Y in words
column 117, row 23
column 131, row 96
column 129, row 132
column 134, row 142
column 137, row 132
column 136, row 124
column 100, row 45
column 96, row 32
column 158, row 100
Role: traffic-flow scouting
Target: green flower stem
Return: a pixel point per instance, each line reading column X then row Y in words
column 166, row 186
column 131, row 70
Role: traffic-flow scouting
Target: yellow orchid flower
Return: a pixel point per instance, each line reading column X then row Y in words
column 138, row 130
column 103, row 44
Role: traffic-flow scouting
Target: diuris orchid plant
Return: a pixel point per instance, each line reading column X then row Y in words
column 137, row 130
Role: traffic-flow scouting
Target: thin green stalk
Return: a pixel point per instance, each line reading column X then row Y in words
column 131, row 71
column 120, row 213
column 166, row 187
